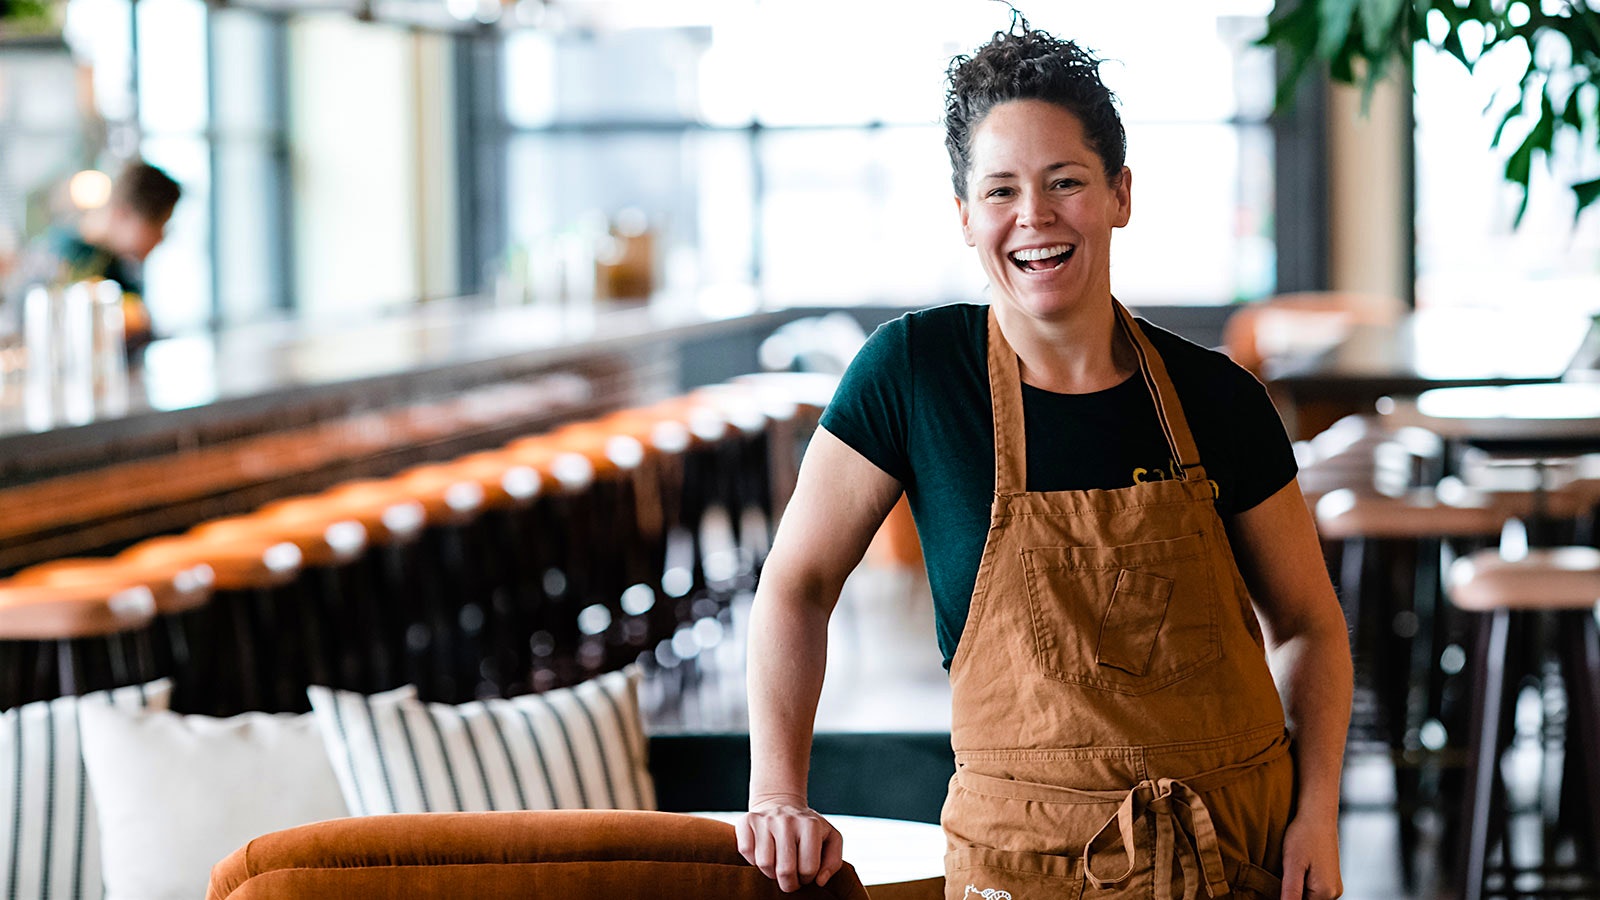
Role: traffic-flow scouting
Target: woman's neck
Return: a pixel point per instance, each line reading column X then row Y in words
column 1079, row 354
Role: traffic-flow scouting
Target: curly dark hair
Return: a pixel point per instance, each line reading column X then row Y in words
column 1026, row 64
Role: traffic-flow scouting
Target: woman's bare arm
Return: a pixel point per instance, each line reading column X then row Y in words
column 1308, row 647
column 838, row 504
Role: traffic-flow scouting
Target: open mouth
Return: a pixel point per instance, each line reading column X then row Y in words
column 1041, row 259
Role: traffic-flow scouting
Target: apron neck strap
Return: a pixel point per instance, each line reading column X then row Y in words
column 1005, row 392
column 1174, row 425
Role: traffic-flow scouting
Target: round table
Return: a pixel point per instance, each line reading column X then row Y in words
column 1566, row 412
column 883, row 851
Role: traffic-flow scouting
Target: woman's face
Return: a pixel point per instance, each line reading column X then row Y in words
column 1039, row 209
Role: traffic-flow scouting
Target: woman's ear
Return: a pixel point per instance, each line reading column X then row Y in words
column 966, row 229
column 1124, row 198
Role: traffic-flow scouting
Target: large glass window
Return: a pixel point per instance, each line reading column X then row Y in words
column 798, row 145
column 1468, row 253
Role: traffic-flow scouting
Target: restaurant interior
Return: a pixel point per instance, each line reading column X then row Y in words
column 428, row 462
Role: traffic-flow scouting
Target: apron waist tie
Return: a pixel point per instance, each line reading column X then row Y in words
column 1179, row 812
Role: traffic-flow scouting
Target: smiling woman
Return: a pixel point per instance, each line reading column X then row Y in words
column 1115, row 544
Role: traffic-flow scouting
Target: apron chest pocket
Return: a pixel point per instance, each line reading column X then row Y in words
column 1130, row 619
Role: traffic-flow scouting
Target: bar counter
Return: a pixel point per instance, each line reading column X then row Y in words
column 218, row 424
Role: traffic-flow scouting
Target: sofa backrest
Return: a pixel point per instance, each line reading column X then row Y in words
column 554, row 853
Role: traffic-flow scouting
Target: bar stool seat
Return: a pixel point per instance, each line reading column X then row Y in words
column 1510, row 595
column 1549, row 578
column 175, row 586
column 237, row 562
column 39, row 612
column 71, row 636
column 321, row 542
column 387, row 520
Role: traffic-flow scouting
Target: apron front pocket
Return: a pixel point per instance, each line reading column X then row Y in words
column 1131, row 619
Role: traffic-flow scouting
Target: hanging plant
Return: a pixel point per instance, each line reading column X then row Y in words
column 1359, row 40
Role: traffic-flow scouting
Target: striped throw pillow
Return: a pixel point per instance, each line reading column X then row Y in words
column 574, row 748
column 51, row 846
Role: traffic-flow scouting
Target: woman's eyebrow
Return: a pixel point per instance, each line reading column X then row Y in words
column 1064, row 164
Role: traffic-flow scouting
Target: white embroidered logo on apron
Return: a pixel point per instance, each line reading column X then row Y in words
column 987, row 893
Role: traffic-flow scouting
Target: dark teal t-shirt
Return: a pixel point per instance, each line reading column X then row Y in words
column 915, row 402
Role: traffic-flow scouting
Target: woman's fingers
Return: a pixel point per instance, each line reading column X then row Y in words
column 791, row 845
column 832, row 856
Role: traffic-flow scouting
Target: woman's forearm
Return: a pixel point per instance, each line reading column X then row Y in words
column 1314, row 676
column 787, row 659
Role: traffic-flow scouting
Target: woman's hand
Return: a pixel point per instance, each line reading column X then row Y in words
column 790, row 843
column 1311, row 859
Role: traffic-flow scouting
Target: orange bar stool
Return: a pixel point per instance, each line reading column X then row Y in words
column 300, row 630
column 362, row 637
column 1556, row 588
column 429, row 601
column 763, row 423
column 175, row 588
column 617, row 523
column 72, row 633
column 506, row 562
column 668, row 545
column 229, row 671
column 556, row 536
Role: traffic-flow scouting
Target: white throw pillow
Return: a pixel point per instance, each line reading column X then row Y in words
column 178, row 793
column 50, row 847
column 573, row 748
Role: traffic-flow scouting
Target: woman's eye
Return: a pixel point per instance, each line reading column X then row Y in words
column 1068, row 183
column 1000, row 192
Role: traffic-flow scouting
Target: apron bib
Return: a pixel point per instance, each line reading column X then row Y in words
column 1116, row 729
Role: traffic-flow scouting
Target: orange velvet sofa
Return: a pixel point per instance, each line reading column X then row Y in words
column 557, row 853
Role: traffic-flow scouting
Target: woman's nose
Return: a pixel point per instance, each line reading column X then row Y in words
column 1035, row 211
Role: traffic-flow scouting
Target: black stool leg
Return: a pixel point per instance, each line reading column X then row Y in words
column 1580, row 663
column 1489, row 690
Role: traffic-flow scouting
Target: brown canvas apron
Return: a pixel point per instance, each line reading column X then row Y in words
column 1117, row 731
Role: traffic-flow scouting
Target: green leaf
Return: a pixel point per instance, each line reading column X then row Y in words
column 1572, row 113
column 1512, row 113
column 1521, row 159
column 1588, row 192
column 1452, row 46
column 1334, row 19
column 1544, row 130
column 1381, row 24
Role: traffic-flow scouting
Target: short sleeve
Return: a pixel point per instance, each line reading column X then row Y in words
column 871, row 409
column 1260, row 458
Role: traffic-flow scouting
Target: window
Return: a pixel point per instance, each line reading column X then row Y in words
column 798, row 145
column 1467, row 251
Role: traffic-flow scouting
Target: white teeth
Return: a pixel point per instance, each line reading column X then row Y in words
column 1040, row 253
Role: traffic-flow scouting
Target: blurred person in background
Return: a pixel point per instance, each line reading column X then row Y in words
column 110, row 241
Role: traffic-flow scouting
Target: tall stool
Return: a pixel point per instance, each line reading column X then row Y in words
column 176, row 588
column 298, row 629
column 495, row 623
column 229, row 670
column 71, row 636
column 556, row 534
column 1509, row 595
column 432, row 600
column 364, row 635
column 619, row 524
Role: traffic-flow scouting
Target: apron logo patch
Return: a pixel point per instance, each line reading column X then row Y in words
column 986, row 893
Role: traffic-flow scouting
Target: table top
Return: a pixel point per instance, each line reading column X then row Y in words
column 1434, row 348
column 1558, row 412
column 883, row 851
